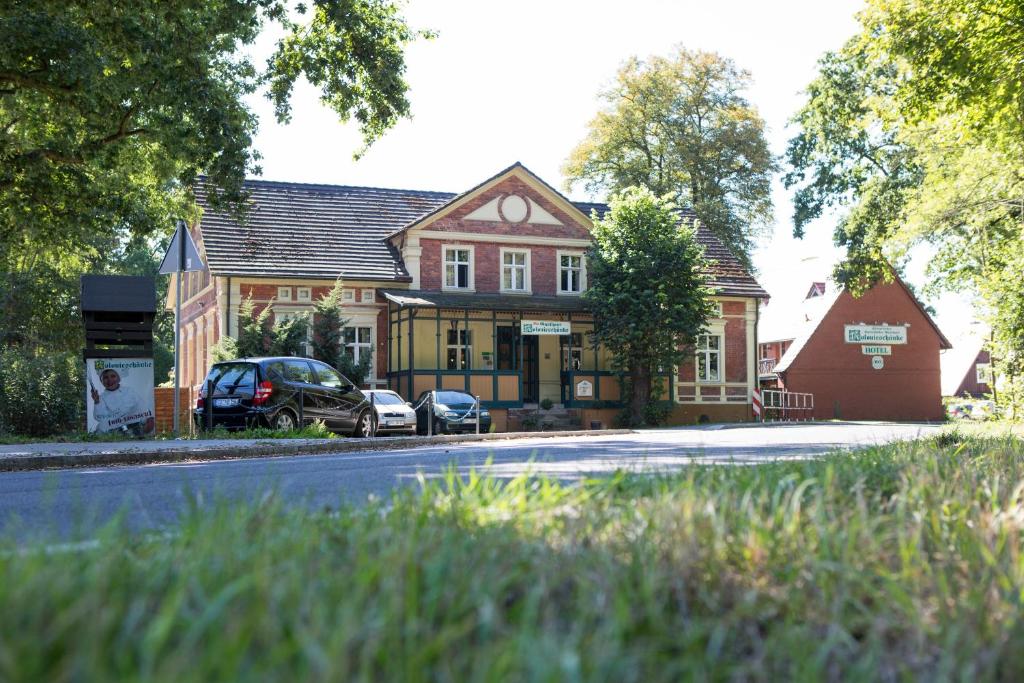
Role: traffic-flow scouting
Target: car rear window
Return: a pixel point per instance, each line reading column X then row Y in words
column 229, row 377
column 454, row 397
column 387, row 398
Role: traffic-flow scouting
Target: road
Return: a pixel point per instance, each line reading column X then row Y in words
column 74, row 503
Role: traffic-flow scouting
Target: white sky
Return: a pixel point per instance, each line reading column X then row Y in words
column 506, row 82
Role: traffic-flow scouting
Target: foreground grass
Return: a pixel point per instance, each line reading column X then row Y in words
column 895, row 563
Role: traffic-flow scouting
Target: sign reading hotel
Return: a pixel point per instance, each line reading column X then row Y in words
column 876, row 350
column 545, row 327
column 876, row 334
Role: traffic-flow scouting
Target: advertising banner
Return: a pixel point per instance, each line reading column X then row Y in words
column 119, row 395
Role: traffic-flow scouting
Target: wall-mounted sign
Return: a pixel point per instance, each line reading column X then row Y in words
column 119, row 395
column 876, row 350
column 584, row 388
column 546, row 327
column 877, row 362
column 876, row 334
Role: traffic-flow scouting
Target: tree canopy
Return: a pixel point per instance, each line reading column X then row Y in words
column 916, row 128
column 647, row 292
column 681, row 126
column 109, row 111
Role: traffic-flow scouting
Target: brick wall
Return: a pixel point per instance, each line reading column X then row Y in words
column 487, row 265
column 164, row 405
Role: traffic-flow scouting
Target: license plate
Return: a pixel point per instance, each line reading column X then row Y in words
column 225, row 402
column 394, row 423
column 469, row 421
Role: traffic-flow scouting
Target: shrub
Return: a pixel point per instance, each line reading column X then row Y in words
column 40, row 395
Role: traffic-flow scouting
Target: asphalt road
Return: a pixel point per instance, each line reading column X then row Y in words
column 74, row 503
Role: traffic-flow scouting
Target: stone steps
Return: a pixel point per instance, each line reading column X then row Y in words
column 555, row 419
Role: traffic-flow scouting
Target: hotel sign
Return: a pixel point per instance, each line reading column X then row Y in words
column 876, row 334
column 546, row 327
column 876, row 350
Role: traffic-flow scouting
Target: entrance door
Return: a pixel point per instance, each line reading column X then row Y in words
column 531, row 369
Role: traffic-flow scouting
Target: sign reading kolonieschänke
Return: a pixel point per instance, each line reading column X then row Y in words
column 876, row 334
column 119, row 395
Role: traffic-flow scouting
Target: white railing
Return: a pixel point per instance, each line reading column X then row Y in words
column 766, row 366
column 783, row 405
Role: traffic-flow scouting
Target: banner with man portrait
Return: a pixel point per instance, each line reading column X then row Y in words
column 119, row 395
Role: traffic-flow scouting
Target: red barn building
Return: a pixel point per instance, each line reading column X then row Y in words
column 873, row 357
column 447, row 290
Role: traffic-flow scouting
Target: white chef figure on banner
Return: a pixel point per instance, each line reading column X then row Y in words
column 120, row 407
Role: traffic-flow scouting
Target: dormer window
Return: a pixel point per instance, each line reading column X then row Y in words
column 458, row 268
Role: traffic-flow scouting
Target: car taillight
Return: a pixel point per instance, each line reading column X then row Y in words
column 202, row 393
column 263, row 390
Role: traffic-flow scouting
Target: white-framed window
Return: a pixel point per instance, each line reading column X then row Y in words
column 460, row 349
column 367, row 296
column 348, row 295
column 709, row 358
column 983, row 373
column 458, row 267
column 716, row 309
column 358, row 340
column 304, row 294
column 515, row 270
column 284, row 293
column 572, row 273
column 572, row 350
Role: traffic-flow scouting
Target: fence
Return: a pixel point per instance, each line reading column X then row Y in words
column 782, row 405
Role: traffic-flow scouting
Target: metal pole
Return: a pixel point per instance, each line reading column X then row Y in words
column 208, row 405
column 177, row 346
column 478, row 415
column 302, row 408
column 373, row 415
column 430, row 414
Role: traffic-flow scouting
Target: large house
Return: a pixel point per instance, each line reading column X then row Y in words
column 872, row 357
column 479, row 291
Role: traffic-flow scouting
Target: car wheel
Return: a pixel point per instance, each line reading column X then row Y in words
column 364, row 425
column 284, row 421
column 438, row 426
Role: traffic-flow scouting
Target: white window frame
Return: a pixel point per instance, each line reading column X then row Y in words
column 471, row 280
column 527, row 288
column 367, row 296
column 284, row 293
column 463, row 350
column 718, row 309
column 583, row 272
column 365, row 318
column 357, row 345
column 707, row 353
column 348, row 295
column 304, row 295
column 983, row 373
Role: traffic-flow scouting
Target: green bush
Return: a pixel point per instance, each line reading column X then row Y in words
column 40, row 395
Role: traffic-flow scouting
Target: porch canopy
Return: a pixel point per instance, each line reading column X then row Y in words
column 484, row 302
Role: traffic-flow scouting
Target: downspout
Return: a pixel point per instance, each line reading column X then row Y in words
column 227, row 313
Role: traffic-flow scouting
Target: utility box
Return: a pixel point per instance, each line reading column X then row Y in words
column 119, row 312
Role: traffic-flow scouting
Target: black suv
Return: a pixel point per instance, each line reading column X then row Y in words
column 266, row 391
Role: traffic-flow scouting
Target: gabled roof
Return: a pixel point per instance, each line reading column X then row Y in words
column 457, row 200
column 314, row 231
column 299, row 230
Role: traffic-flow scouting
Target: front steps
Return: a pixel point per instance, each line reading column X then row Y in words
column 537, row 419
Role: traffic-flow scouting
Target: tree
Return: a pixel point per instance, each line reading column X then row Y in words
column 681, row 126
column 329, row 342
column 916, row 126
column 109, row 111
column 259, row 336
column 647, row 292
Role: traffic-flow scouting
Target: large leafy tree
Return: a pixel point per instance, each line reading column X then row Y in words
column 681, row 126
column 916, row 127
column 109, row 111
column 647, row 292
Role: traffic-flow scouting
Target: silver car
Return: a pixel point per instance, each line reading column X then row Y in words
column 393, row 414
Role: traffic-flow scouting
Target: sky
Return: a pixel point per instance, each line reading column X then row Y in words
column 507, row 82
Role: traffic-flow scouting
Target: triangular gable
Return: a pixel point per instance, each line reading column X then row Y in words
column 499, row 208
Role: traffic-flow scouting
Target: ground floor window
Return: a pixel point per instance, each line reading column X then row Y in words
column 572, row 350
column 709, row 358
column 358, row 343
column 460, row 349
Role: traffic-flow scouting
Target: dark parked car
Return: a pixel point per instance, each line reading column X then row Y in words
column 265, row 392
column 454, row 411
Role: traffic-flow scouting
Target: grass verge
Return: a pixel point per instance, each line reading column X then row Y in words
column 316, row 430
column 901, row 562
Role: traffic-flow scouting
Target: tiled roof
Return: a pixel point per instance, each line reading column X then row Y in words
column 325, row 231
column 314, row 231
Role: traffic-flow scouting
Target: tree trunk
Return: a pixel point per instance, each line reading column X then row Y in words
column 641, row 393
